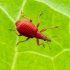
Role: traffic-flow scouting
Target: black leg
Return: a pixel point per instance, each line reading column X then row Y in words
column 40, row 44
column 15, row 31
column 23, row 40
column 48, row 28
column 25, row 16
column 48, row 45
column 39, row 20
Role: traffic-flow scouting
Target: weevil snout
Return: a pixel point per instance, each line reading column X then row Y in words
column 47, row 39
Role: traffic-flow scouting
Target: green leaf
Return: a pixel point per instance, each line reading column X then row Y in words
column 28, row 55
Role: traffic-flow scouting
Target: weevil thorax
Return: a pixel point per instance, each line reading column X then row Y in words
column 39, row 35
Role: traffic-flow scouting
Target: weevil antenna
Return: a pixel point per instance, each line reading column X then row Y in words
column 48, row 42
column 53, row 36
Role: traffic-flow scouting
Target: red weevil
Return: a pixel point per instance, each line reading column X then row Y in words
column 28, row 29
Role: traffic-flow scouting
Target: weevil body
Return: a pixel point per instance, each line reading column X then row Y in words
column 28, row 29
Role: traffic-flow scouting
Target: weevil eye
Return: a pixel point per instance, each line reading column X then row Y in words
column 44, row 40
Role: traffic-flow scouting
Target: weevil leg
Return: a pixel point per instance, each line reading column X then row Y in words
column 39, row 20
column 48, row 45
column 48, row 28
column 15, row 31
column 23, row 40
column 43, row 30
column 25, row 17
column 40, row 44
column 53, row 36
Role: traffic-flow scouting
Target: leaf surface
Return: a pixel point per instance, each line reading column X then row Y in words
column 28, row 55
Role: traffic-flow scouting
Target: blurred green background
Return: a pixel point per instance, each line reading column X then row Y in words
column 28, row 55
